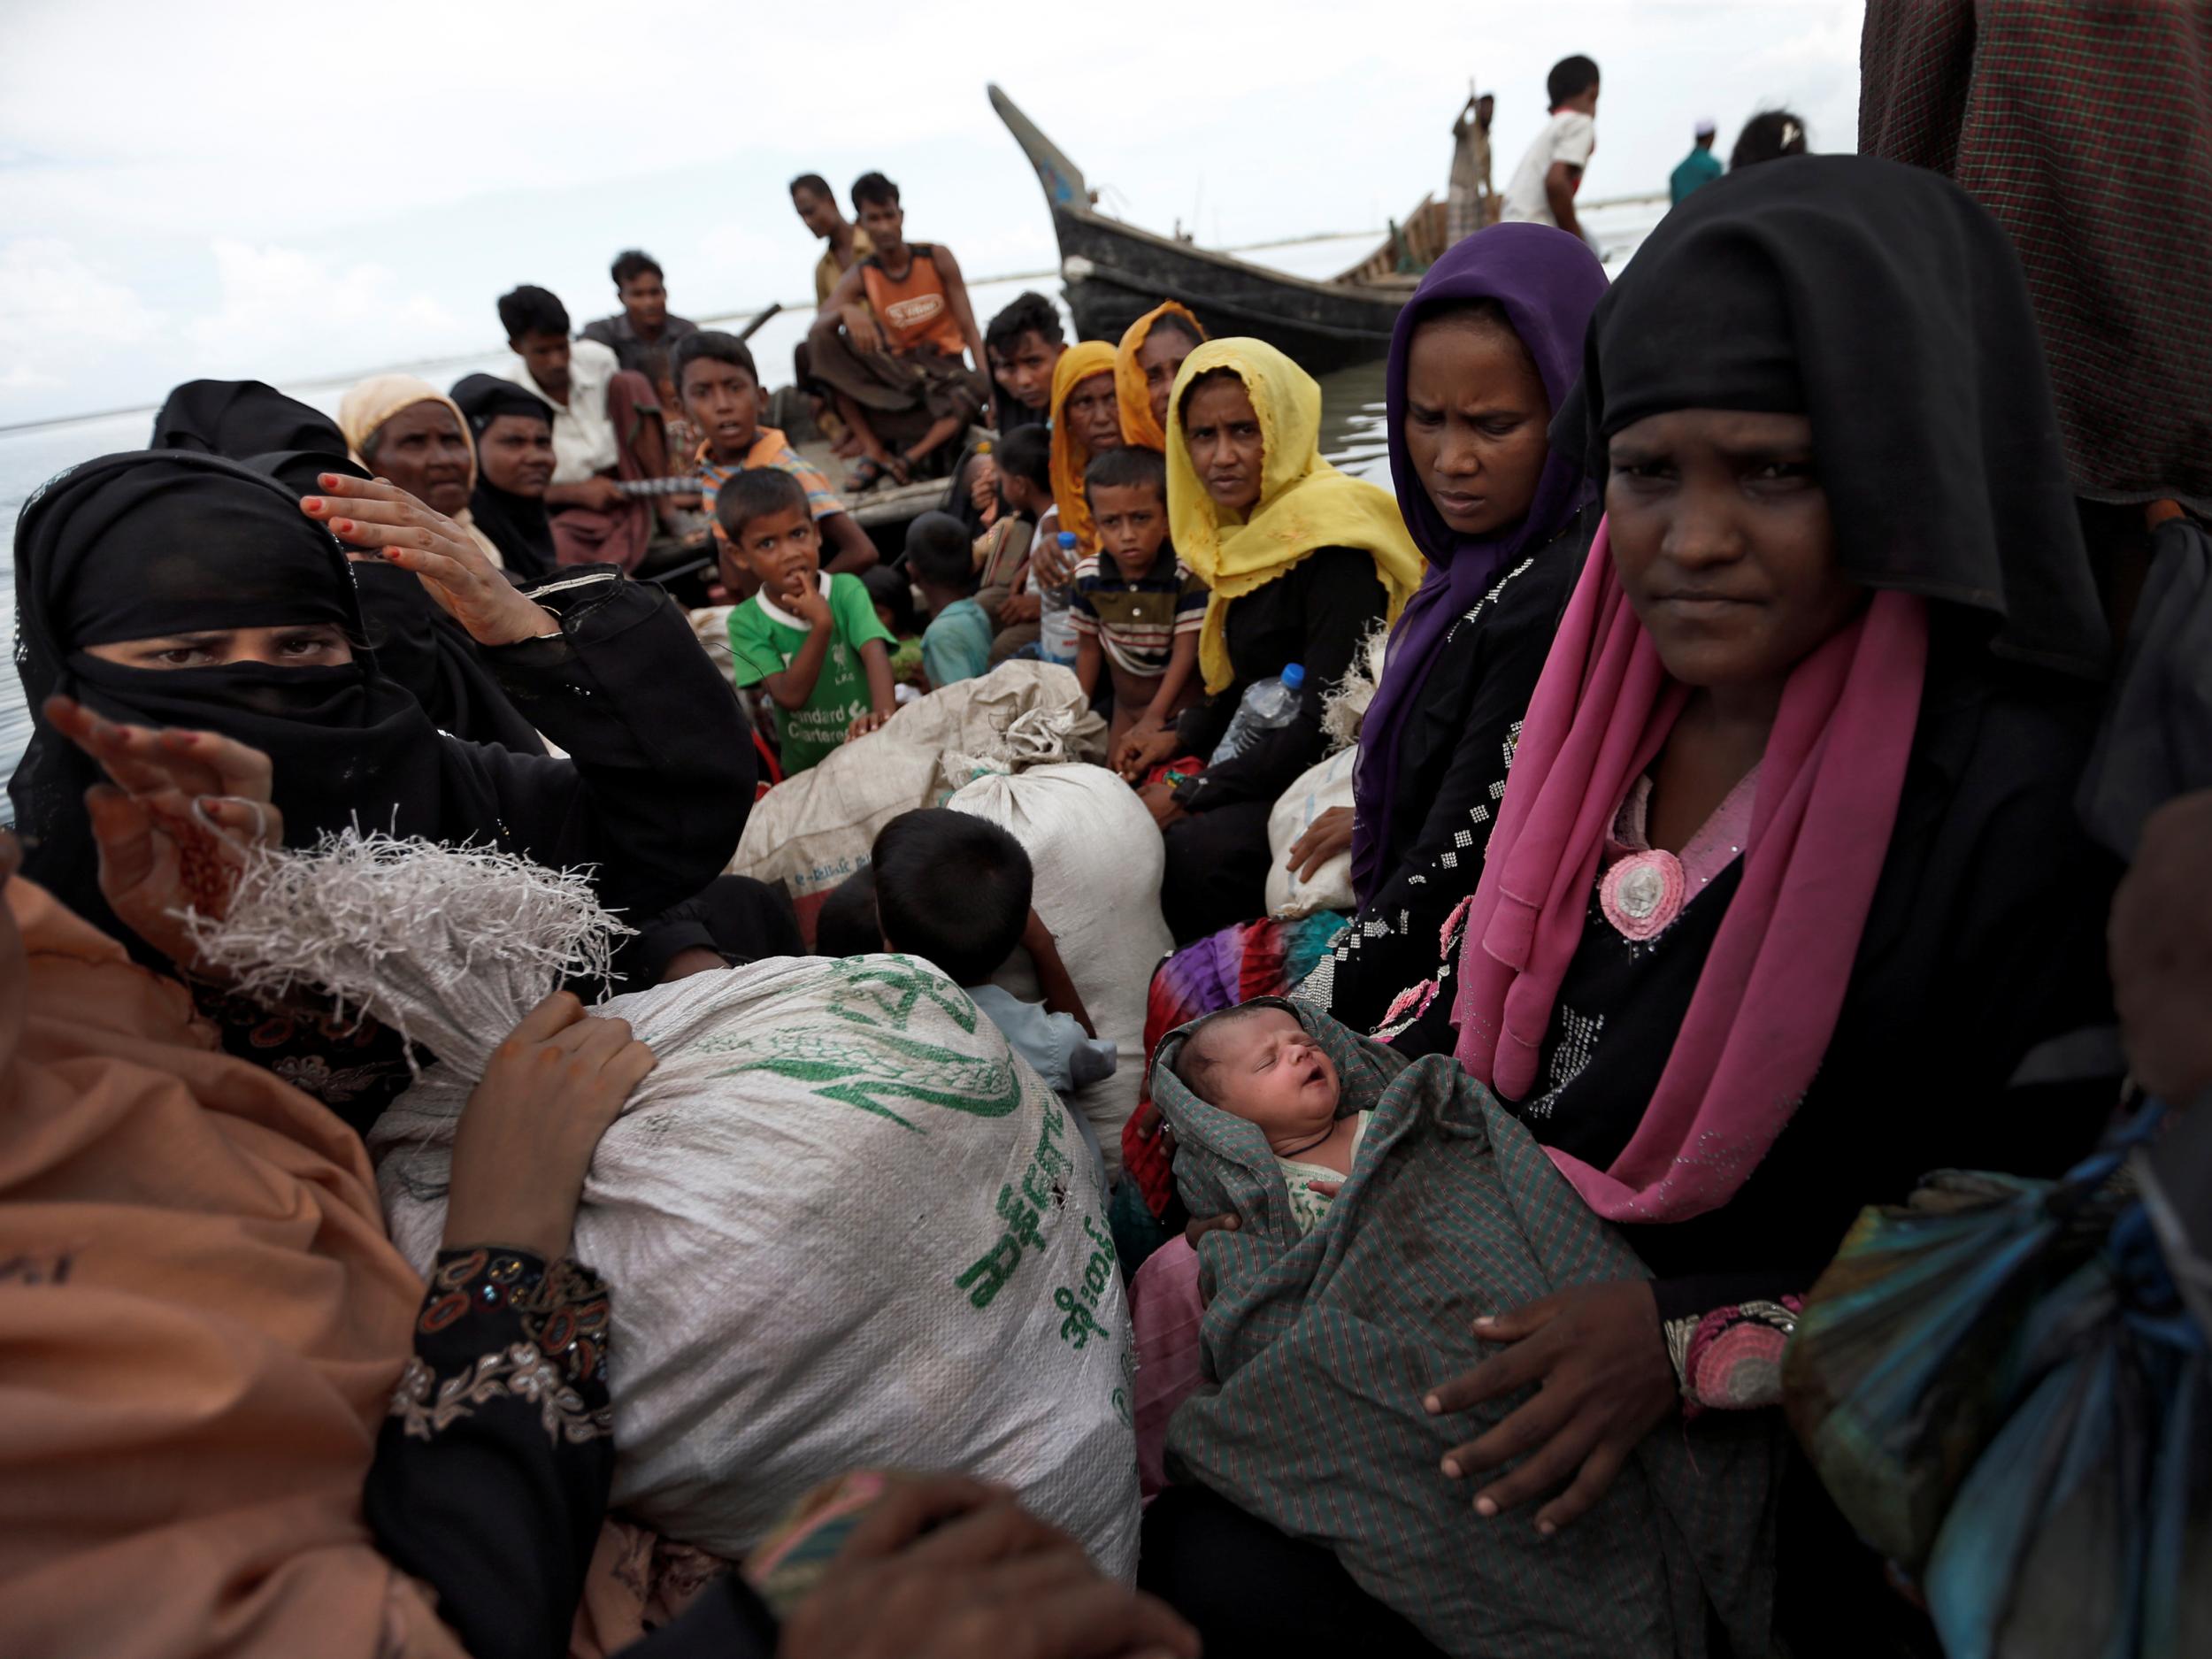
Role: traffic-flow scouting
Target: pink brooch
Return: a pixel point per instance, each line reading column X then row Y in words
column 1642, row 892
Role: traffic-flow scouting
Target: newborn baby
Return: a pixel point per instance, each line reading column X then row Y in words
column 1256, row 1061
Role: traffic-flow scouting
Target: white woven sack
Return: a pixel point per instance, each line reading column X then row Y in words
column 842, row 1229
column 811, row 831
column 1098, row 858
column 1317, row 789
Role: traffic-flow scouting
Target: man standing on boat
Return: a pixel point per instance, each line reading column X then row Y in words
column 1700, row 167
column 1467, row 204
column 1543, row 187
column 889, row 343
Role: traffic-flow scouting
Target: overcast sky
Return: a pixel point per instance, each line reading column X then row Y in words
column 295, row 189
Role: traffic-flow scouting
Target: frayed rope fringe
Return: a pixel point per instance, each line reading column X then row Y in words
column 448, row 946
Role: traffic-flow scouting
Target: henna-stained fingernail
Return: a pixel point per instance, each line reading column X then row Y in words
column 314, row 504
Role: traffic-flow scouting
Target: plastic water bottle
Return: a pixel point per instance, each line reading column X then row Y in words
column 1056, row 619
column 1268, row 705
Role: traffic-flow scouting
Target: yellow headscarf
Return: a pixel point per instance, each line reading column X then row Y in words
column 1070, row 454
column 1131, row 396
column 1305, row 505
column 375, row 401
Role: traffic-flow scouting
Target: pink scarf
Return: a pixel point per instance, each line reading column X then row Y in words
column 1767, row 999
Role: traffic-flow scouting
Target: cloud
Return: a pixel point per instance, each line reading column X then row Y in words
column 283, row 305
column 57, row 308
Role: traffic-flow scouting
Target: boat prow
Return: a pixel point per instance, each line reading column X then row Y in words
column 1115, row 273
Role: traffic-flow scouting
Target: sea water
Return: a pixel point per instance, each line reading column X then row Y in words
column 1351, row 400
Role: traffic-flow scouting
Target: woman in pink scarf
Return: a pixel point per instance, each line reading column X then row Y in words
column 1784, row 886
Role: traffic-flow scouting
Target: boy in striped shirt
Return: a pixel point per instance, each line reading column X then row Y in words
column 1137, row 610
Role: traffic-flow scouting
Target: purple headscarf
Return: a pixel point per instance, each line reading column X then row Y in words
column 1548, row 283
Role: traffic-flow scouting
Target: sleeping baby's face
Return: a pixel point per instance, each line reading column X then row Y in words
column 1263, row 1068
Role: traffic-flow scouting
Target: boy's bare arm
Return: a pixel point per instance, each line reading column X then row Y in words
column 875, row 659
column 1182, row 661
column 1088, row 659
column 851, row 550
column 1060, row 994
column 962, row 313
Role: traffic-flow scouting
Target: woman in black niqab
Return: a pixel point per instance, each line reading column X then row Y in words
column 146, row 545
column 151, row 544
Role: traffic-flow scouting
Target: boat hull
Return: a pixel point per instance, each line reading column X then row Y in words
column 1116, row 272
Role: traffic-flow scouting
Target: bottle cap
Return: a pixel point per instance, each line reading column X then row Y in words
column 1067, row 539
column 1294, row 676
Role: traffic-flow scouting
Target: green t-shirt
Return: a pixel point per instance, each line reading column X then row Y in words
column 764, row 638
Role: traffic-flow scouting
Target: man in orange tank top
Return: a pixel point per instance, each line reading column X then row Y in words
column 889, row 343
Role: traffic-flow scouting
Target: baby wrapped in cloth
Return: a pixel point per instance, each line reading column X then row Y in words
column 1319, row 1345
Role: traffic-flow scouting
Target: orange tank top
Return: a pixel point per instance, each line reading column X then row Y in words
column 912, row 310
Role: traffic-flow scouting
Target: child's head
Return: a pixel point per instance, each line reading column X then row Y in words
column 893, row 597
column 953, row 889
column 1127, row 491
column 1024, row 469
column 1023, row 342
column 1258, row 1063
column 769, row 529
column 846, row 925
column 942, row 554
column 720, row 389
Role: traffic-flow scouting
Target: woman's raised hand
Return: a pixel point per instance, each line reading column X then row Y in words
column 526, row 1135
column 175, row 823
column 394, row 526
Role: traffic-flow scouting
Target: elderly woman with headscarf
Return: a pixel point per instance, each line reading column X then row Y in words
column 171, row 589
column 1302, row 561
column 1786, row 884
column 408, row 431
column 1487, row 348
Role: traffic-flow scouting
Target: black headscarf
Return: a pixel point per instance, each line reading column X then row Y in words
column 1883, row 303
column 516, row 524
column 231, row 549
column 417, row 645
column 241, row 418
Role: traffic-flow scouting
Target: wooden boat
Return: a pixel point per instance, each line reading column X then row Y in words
column 1115, row 273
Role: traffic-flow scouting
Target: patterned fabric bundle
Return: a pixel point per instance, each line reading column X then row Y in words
column 1321, row 1348
column 1262, row 958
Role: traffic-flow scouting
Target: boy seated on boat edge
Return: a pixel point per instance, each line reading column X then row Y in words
column 895, row 364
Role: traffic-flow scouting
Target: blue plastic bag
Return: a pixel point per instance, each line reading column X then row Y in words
column 2085, row 1529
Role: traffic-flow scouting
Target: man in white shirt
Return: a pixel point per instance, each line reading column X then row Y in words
column 606, row 431
column 1544, row 185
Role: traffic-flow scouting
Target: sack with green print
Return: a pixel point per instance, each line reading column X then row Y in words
column 843, row 1226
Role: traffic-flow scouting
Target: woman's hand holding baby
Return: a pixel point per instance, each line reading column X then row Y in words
column 527, row 1136
column 1600, row 1359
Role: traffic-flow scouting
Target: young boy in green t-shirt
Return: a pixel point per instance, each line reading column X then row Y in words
column 810, row 638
